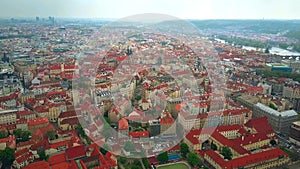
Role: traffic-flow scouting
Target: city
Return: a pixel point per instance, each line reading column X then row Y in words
column 149, row 91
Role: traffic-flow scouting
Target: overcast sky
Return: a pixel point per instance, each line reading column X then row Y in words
column 185, row 9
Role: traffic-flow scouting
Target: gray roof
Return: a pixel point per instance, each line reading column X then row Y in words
column 287, row 113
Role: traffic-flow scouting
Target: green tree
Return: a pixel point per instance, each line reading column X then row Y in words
column 3, row 134
column 129, row 146
column 184, row 149
column 106, row 131
column 42, row 155
column 51, row 135
column 163, row 157
column 145, row 162
column 123, row 160
column 193, row 159
column 213, row 146
column 136, row 167
column 104, row 149
column 226, row 152
column 7, row 157
column 22, row 135
column 138, row 97
column 267, row 50
column 273, row 142
column 272, row 106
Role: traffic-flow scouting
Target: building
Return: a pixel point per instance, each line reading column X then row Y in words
column 280, row 121
column 292, row 92
column 249, row 144
column 123, row 128
column 213, row 119
column 26, row 114
column 68, row 120
column 154, row 127
column 9, row 141
column 279, row 67
column 248, row 100
column 294, row 64
column 265, row 159
column 8, row 116
column 139, row 134
column 35, row 124
column 167, row 124
column 39, row 164
column 24, row 157
column 295, row 133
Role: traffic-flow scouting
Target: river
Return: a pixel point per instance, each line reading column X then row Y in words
column 273, row 50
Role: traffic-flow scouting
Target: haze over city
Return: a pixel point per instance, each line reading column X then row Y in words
column 149, row 84
column 188, row 9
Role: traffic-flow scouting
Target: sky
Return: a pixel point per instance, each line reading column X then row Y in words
column 183, row 9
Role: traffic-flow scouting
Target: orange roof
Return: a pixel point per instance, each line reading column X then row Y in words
column 246, row 160
column 38, row 121
column 38, row 165
column 58, row 158
column 138, row 134
column 123, row 124
column 62, row 165
column 167, row 119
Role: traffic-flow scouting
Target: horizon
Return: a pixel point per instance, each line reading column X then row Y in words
column 116, row 9
column 187, row 19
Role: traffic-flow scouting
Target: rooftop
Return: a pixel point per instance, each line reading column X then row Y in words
column 288, row 113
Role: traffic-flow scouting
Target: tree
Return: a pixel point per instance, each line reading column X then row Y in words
column 3, row 134
column 51, row 135
column 184, row 149
column 163, row 157
column 104, row 149
column 226, row 152
column 123, row 160
column 193, row 159
column 267, row 50
column 80, row 130
column 213, row 146
column 273, row 142
column 135, row 167
column 42, row 155
column 138, row 97
column 145, row 162
column 7, row 157
column 21, row 135
column 106, row 131
column 128, row 146
column 272, row 106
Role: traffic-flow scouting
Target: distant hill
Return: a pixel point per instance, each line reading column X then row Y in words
column 293, row 34
column 258, row 26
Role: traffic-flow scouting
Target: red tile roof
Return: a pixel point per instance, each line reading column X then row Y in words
column 261, row 125
column 58, row 158
column 167, row 119
column 75, row 152
column 21, row 114
column 38, row 121
column 70, row 121
column 67, row 114
column 138, row 134
column 38, row 165
column 246, row 160
column 62, row 165
column 123, row 124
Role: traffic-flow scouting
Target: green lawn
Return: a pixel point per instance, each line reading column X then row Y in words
column 174, row 166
